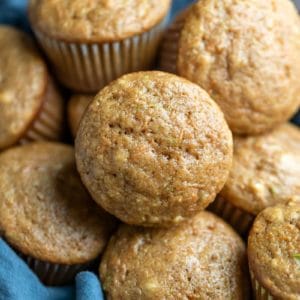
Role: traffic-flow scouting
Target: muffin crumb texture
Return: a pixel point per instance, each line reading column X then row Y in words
column 202, row 258
column 23, row 83
column 45, row 211
column 273, row 243
column 245, row 54
column 153, row 149
column 266, row 169
column 94, row 20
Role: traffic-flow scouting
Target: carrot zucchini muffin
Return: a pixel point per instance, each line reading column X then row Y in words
column 202, row 258
column 266, row 171
column 46, row 214
column 153, row 149
column 92, row 42
column 30, row 106
column 245, row 54
column 274, row 252
column 76, row 108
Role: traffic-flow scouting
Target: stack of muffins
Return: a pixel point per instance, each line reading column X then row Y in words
column 158, row 154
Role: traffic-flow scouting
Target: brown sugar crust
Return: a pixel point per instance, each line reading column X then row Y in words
column 76, row 108
column 23, row 82
column 202, row 258
column 94, row 20
column 266, row 169
column 245, row 54
column 273, row 243
column 153, row 149
column 45, row 212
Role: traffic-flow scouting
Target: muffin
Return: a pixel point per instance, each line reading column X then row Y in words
column 245, row 54
column 46, row 214
column 91, row 42
column 76, row 108
column 202, row 258
column 153, row 149
column 30, row 106
column 274, row 252
column 265, row 171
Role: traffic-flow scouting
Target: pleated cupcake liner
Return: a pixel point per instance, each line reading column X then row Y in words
column 88, row 67
column 48, row 125
column 240, row 220
column 168, row 53
column 259, row 292
column 54, row 274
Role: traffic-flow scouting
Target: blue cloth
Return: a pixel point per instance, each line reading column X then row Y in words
column 17, row 281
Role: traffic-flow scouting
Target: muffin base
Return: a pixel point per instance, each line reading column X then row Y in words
column 87, row 67
column 48, row 124
column 240, row 220
column 259, row 292
column 54, row 274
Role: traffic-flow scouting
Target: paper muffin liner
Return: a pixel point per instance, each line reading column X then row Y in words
column 54, row 274
column 170, row 45
column 87, row 67
column 240, row 220
column 259, row 292
column 48, row 125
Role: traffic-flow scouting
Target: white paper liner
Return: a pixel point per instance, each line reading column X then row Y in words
column 259, row 292
column 240, row 220
column 89, row 67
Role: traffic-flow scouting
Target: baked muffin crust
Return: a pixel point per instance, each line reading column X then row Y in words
column 45, row 211
column 202, row 258
column 23, row 82
column 96, row 20
column 245, row 54
column 153, row 149
column 273, row 244
column 265, row 171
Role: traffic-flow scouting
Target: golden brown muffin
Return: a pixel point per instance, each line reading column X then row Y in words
column 202, row 258
column 274, row 243
column 45, row 211
column 76, row 108
column 92, row 42
column 266, row 171
column 30, row 105
column 245, row 54
column 94, row 20
column 153, row 149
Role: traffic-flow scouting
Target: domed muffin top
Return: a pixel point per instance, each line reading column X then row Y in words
column 202, row 258
column 153, row 148
column 45, row 211
column 23, row 84
column 274, row 249
column 245, row 54
column 96, row 20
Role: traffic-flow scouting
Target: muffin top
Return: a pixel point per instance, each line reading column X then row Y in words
column 23, row 80
column 45, row 212
column 202, row 258
column 153, row 149
column 274, row 245
column 245, row 54
column 96, row 20
column 266, row 169
column 76, row 108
